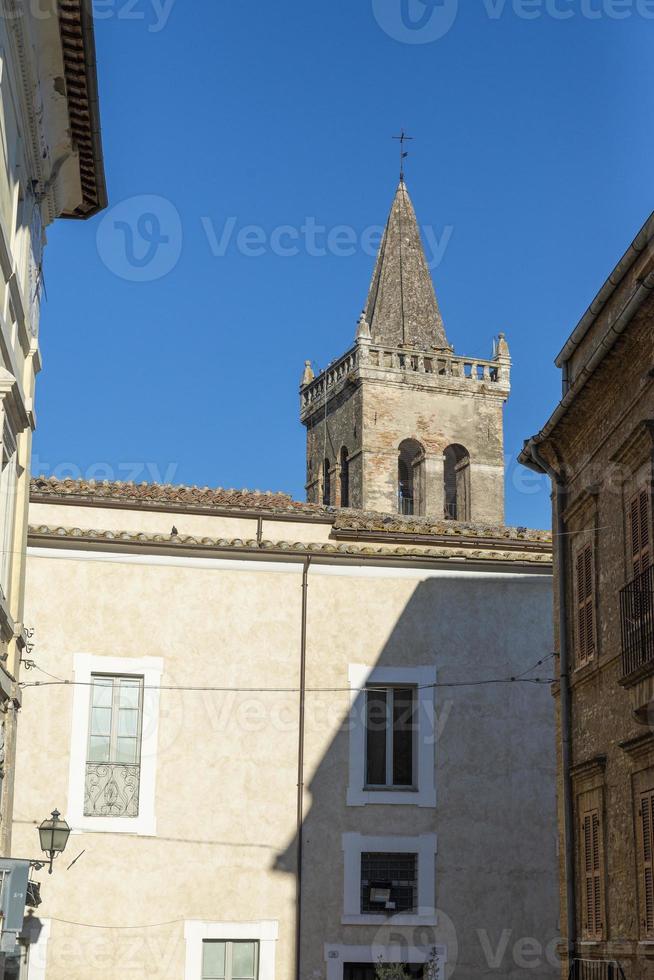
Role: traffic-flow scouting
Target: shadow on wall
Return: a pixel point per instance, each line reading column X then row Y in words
column 495, row 821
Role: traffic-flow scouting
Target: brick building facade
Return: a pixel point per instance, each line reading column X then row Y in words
column 598, row 449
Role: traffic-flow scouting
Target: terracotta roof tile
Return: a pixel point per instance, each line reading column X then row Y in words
column 345, row 522
column 183, row 542
column 167, row 493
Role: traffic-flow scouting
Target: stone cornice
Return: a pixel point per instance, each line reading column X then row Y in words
column 639, row 747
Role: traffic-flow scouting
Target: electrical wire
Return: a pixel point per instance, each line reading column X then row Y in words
column 295, row 690
column 90, row 925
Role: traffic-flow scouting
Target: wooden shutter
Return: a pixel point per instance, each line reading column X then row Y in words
column 639, row 532
column 591, row 857
column 646, row 827
column 585, row 606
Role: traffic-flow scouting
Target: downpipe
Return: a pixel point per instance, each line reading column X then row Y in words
column 300, row 769
column 559, row 485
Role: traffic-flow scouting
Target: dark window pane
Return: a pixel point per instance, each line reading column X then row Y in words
column 376, row 724
column 367, row 971
column 403, row 729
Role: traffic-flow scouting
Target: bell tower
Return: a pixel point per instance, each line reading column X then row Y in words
column 400, row 423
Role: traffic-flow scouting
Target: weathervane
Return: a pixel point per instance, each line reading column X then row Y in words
column 403, row 138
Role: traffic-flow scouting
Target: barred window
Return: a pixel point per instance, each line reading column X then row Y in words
column 389, row 883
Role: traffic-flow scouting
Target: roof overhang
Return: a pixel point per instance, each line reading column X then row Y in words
column 616, row 322
column 80, row 72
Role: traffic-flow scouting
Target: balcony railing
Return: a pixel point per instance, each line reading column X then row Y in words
column 111, row 790
column 596, row 970
column 637, row 621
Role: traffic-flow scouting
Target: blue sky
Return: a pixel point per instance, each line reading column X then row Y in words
column 531, row 169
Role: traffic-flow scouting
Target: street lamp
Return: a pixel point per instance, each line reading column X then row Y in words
column 53, row 834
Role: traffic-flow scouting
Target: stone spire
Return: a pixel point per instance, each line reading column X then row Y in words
column 402, row 308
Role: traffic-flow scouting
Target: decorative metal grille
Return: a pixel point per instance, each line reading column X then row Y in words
column 111, row 790
column 596, row 970
column 397, row 872
column 637, row 620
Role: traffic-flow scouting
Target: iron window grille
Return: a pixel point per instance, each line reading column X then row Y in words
column 113, row 766
column 595, row 970
column 389, row 883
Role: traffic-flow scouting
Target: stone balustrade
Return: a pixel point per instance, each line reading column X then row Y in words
column 437, row 364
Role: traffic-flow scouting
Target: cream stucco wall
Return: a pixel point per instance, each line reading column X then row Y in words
column 226, row 763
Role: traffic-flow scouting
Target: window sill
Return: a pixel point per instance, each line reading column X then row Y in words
column 391, row 797
column 400, row 919
column 390, row 789
column 144, row 826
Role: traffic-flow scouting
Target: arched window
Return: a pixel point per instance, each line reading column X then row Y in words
column 456, row 474
column 410, row 470
column 345, row 478
column 326, row 484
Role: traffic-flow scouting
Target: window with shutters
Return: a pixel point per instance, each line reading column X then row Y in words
column 645, row 843
column 591, row 852
column 639, row 533
column 585, row 597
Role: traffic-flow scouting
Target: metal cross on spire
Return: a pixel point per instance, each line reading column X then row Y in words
column 403, row 138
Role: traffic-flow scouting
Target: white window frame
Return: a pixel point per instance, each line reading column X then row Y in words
column 336, row 956
column 424, row 845
column 264, row 931
column 150, row 669
column 424, row 794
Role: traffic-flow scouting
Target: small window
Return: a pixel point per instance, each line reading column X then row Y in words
column 222, row 960
column 592, row 898
column 114, row 747
column 389, row 883
column 585, row 605
column 390, row 736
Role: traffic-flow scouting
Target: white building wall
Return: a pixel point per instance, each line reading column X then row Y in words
column 224, row 843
